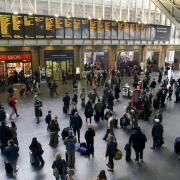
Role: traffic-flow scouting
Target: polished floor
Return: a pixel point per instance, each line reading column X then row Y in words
column 158, row 165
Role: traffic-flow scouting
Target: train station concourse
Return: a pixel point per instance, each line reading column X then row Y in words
column 90, row 89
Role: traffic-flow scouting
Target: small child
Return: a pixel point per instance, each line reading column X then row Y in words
column 127, row 148
column 48, row 119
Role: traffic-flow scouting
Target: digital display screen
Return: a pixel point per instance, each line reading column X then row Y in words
column 50, row 27
column 126, row 31
column 100, row 29
column 114, row 30
column 29, row 27
column 132, row 31
column 77, row 28
column 40, row 27
column 138, row 32
column 17, row 26
column 59, row 26
column 108, row 30
column 93, row 29
column 6, row 26
column 68, row 28
column 120, row 30
column 85, row 29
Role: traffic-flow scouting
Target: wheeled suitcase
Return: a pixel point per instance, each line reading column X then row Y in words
column 177, row 145
column 32, row 159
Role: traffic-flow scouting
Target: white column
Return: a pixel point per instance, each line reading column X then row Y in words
column 72, row 8
column 35, row 6
column 103, row 9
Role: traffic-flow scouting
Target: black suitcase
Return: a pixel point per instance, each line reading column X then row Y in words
column 65, row 132
column 177, row 145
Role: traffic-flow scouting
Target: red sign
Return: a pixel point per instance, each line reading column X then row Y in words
column 11, row 57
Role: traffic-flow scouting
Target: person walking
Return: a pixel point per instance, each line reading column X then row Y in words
column 88, row 111
column 48, row 119
column 116, row 92
column 66, row 100
column 37, row 151
column 157, row 134
column 82, row 97
column 76, row 124
column 12, row 153
column 138, row 140
column 110, row 152
column 2, row 114
column 37, row 108
column 89, row 136
column 70, row 142
column 13, row 104
column 13, row 129
column 54, row 129
column 98, row 110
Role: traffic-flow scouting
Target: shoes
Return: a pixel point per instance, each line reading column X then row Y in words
column 142, row 161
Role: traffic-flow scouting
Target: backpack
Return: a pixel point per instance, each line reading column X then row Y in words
column 71, row 146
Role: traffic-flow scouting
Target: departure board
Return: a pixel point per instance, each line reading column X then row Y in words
column 132, row 28
column 126, row 31
column 93, row 29
column 85, row 29
column 40, row 27
column 29, row 27
column 17, row 26
column 114, row 30
column 68, row 28
column 59, row 26
column 100, row 29
column 143, row 32
column 77, row 28
column 120, row 30
column 6, row 26
column 138, row 32
column 107, row 30
column 50, row 27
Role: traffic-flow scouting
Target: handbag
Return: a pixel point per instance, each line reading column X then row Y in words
column 118, row 154
column 55, row 172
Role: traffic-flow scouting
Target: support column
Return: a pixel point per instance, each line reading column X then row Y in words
column 162, row 56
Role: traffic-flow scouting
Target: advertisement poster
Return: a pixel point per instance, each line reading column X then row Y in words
column 114, row 30
column 85, row 29
column 132, row 31
column 107, row 30
column 59, row 26
column 138, row 32
column 121, row 30
column 100, row 29
column 93, row 29
column 126, row 31
column 68, row 28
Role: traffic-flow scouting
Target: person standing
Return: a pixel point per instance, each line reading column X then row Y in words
column 89, row 136
column 48, row 119
column 138, row 140
column 98, row 110
column 116, row 92
column 37, row 108
column 12, row 153
column 76, row 124
column 66, row 100
column 88, row 111
column 54, row 129
column 13, row 104
column 110, row 152
column 82, row 97
column 37, row 151
column 170, row 91
column 70, row 142
column 157, row 134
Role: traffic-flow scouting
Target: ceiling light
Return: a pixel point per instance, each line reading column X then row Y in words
column 30, row 13
column 15, row 12
column 56, row 15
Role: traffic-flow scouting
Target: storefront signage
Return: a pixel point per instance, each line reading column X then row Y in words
column 11, row 56
column 59, row 55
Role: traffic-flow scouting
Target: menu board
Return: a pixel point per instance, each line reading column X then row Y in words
column 107, row 29
column 132, row 27
column 126, row 31
column 143, row 32
column 40, row 27
column 50, row 27
column 68, row 28
column 59, row 26
column 114, row 30
column 6, row 26
column 29, row 27
column 120, row 30
column 17, row 26
column 93, row 29
column 85, row 29
column 138, row 32
column 100, row 29
column 77, row 28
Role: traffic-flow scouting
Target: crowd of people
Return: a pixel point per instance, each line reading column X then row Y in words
column 146, row 103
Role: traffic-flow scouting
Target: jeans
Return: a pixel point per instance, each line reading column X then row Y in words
column 78, row 133
column 111, row 162
column 90, row 147
column 139, row 153
column 71, row 159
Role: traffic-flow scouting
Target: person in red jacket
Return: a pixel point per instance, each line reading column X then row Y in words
column 12, row 103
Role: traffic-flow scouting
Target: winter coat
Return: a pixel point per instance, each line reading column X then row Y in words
column 98, row 107
column 66, row 100
column 59, row 164
column 76, row 122
column 70, row 142
column 138, row 140
column 157, row 130
column 89, row 135
column 35, row 148
column 2, row 115
column 11, row 152
column 153, row 84
column 111, row 149
column 88, row 111
column 5, row 134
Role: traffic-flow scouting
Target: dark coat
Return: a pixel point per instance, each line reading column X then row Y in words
column 157, row 130
column 111, row 149
column 48, row 119
column 2, row 115
column 138, row 140
column 5, row 134
column 11, row 152
column 76, row 122
column 88, row 111
column 66, row 100
column 116, row 92
column 89, row 135
column 153, row 84
column 59, row 164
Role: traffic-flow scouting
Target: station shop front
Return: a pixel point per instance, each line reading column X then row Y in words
column 14, row 65
column 59, row 62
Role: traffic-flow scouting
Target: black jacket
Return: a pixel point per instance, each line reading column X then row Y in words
column 138, row 140
column 157, row 130
column 111, row 149
column 66, row 100
column 59, row 164
column 2, row 115
column 5, row 134
column 76, row 122
column 89, row 135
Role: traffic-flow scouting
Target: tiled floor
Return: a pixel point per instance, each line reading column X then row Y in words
column 158, row 165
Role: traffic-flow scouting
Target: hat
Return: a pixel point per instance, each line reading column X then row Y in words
column 156, row 120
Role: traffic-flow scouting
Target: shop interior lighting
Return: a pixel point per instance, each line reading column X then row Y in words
column 56, row 15
column 30, row 13
column 68, row 16
column 15, row 12
column 89, row 18
column 99, row 19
